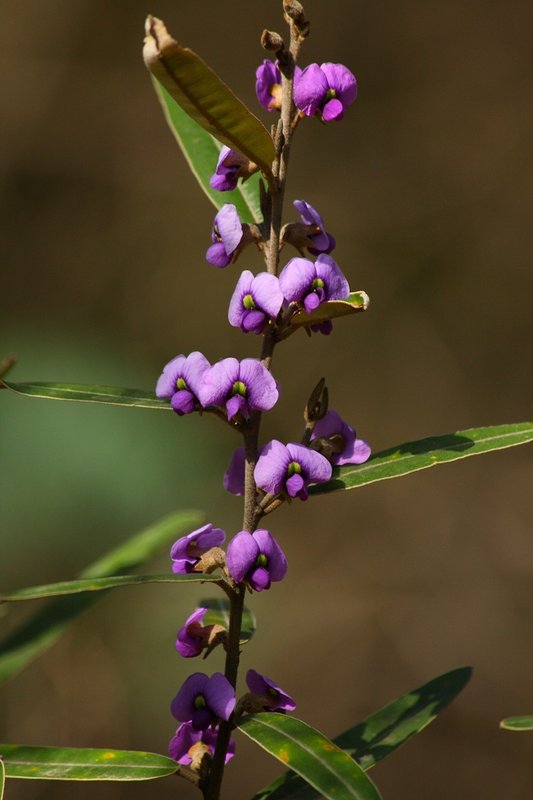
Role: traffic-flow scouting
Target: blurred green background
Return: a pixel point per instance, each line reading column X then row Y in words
column 426, row 186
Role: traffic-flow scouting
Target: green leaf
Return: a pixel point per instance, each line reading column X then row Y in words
column 320, row 763
column 98, row 585
column 205, row 97
column 382, row 732
column 218, row 614
column 201, row 152
column 424, row 453
column 87, row 393
column 84, row 764
column 517, row 723
column 36, row 635
column 2, row 778
column 355, row 302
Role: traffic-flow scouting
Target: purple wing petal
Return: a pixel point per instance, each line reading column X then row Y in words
column 237, row 404
column 220, row 696
column 358, row 452
column 253, row 322
column 277, row 562
column 241, row 554
column 256, row 682
column 182, row 742
column 259, row 579
column 194, row 369
column 329, row 425
column 182, row 402
column 271, row 468
column 296, row 278
column 333, row 111
column 216, row 253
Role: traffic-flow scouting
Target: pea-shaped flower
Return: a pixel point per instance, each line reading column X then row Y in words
column 187, row 551
column 180, row 381
column 239, row 386
column 343, row 446
column 231, row 166
column 290, row 468
column 254, row 301
column 311, row 283
column 256, row 558
column 188, row 745
column 194, row 637
column 274, row 697
column 203, row 700
column 326, row 90
column 268, row 85
column 320, row 241
column 226, row 236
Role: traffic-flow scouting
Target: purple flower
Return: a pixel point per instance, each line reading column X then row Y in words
column 188, row 744
column 226, row 235
column 322, row 242
column 311, row 284
column 187, row 551
column 242, row 386
column 347, row 449
column 192, row 637
column 276, row 699
column 256, row 558
column 290, row 468
column 231, row 166
column 326, row 90
column 268, row 85
column 203, row 699
column 234, row 475
column 180, row 381
column 255, row 301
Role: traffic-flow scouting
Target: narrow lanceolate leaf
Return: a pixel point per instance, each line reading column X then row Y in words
column 316, row 759
column 42, row 629
column 201, row 152
column 354, row 303
column 218, row 614
column 517, row 723
column 424, row 453
column 87, row 393
column 84, row 764
column 2, row 778
column 99, row 585
column 205, row 97
column 382, row 732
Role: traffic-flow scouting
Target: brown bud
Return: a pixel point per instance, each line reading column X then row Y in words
column 294, row 12
column 270, row 40
column 317, row 405
column 211, row 561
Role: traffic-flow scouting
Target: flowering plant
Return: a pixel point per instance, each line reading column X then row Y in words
column 309, row 291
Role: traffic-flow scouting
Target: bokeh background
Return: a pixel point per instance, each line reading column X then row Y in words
column 426, row 186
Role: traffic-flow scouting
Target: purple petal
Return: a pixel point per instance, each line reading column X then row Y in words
column 194, row 369
column 315, row 466
column 237, row 404
column 262, row 389
column 223, row 183
column 329, row 271
column 256, row 682
column 220, row 696
column 202, row 718
column 234, row 476
column 166, row 384
column 311, row 302
column 182, row 566
column 333, row 111
column 342, row 81
column 267, row 75
column 267, row 293
column 360, row 452
column 330, row 424
column 308, row 214
column 296, row 278
column 330, row 245
column 209, row 738
column 277, row 562
column 271, row 468
column 218, row 381
column 182, row 707
column 241, row 555
column 259, row 579
column 236, row 308
column 310, row 89
column 182, row 742
column 253, row 322
column 294, row 485
column 229, row 227
column 183, row 402
column 216, row 254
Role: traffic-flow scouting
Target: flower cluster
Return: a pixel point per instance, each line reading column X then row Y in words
column 238, row 391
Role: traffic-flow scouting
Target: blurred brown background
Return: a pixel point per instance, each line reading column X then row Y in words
column 425, row 186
